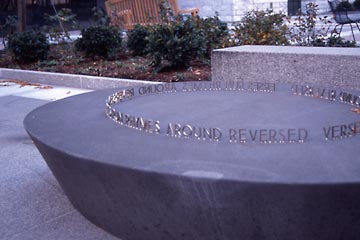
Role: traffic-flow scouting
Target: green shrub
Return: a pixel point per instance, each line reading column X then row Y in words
column 261, row 28
column 99, row 41
column 137, row 40
column 216, row 33
column 100, row 17
column 176, row 43
column 336, row 41
column 356, row 4
column 28, row 46
column 8, row 28
column 344, row 6
column 319, row 43
column 58, row 25
column 166, row 12
column 309, row 29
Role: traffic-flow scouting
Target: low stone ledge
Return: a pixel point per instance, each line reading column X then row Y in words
column 316, row 65
column 68, row 80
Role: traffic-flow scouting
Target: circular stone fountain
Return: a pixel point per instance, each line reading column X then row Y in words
column 204, row 162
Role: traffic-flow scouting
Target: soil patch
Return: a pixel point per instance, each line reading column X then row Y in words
column 63, row 59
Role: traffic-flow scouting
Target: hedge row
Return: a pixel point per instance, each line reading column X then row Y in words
column 177, row 42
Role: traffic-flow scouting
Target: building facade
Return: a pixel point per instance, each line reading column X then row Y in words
column 35, row 9
column 234, row 10
column 228, row 10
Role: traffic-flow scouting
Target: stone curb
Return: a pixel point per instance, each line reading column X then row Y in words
column 68, row 80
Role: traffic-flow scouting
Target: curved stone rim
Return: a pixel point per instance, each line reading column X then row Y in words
column 271, row 178
column 135, row 192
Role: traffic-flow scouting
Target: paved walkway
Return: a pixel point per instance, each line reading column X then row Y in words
column 32, row 204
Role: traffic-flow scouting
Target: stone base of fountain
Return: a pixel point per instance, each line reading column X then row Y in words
column 164, row 183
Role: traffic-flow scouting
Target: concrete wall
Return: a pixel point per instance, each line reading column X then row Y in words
column 209, row 7
column 233, row 10
column 320, row 66
column 68, row 80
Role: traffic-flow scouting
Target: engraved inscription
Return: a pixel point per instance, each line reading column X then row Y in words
column 243, row 135
column 316, row 92
column 239, row 135
column 261, row 87
column 157, row 89
column 188, row 131
column 350, row 98
column 337, row 132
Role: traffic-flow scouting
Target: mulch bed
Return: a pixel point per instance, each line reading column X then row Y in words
column 63, row 59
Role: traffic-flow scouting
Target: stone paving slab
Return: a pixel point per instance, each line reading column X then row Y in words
column 71, row 226
column 42, row 92
column 32, row 204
